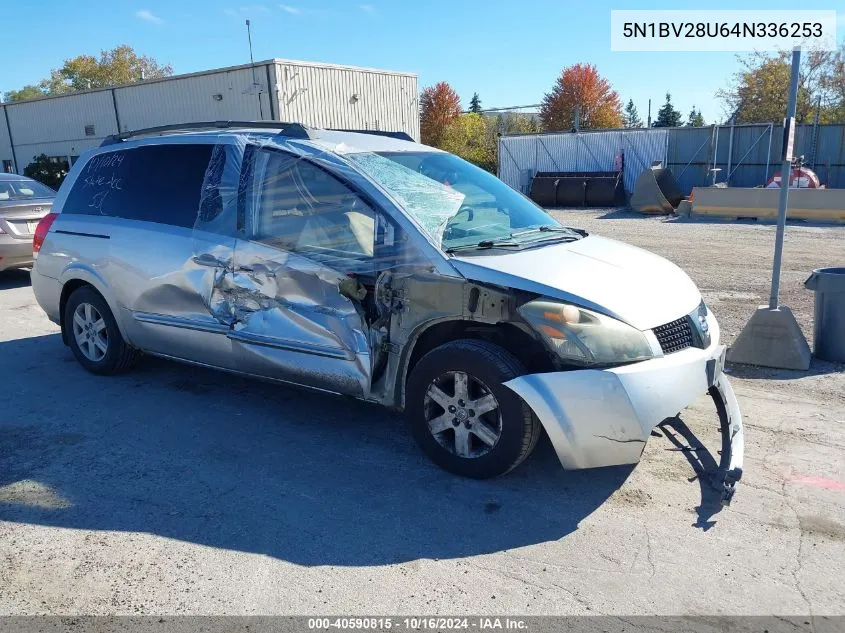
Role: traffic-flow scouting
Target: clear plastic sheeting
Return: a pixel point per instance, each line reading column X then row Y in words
column 219, row 193
column 429, row 202
column 293, row 268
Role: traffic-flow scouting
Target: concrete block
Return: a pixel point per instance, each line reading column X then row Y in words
column 818, row 205
column 771, row 338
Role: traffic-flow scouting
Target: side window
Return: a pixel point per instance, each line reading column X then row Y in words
column 153, row 183
column 295, row 205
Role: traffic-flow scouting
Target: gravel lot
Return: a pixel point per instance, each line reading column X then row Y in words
column 179, row 490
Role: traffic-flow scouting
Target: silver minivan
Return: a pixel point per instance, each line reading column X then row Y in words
column 368, row 265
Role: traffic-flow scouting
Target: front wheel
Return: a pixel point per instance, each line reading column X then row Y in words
column 462, row 415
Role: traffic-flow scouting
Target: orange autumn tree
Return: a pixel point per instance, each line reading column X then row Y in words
column 581, row 87
column 439, row 107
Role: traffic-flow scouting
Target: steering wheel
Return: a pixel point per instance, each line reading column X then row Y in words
column 453, row 232
column 465, row 208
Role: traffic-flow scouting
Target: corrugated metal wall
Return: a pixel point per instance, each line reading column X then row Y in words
column 755, row 155
column 337, row 97
column 320, row 95
column 520, row 157
column 747, row 160
column 193, row 99
column 5, row 144
column 56, row 127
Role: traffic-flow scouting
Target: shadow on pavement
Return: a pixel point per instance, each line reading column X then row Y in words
column 14, row 278
column 703, row 464
column 218, row 460
column 752, row 372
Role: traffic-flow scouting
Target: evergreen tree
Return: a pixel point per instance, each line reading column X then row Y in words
column 631, row 118
column 475, row 104
column 667, row 116
column 695, row 119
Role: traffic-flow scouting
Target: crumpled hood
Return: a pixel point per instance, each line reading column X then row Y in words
column 622, row 281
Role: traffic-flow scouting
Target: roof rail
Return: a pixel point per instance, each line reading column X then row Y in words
column 294, row 130
column 402, row 136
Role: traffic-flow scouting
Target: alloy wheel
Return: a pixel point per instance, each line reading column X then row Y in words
column 89, row 330
column 462, row 414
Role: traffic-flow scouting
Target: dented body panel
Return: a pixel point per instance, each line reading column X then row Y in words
column 289, row 321
column 426, row 300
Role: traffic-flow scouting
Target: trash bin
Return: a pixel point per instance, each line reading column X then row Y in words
column 829, row 332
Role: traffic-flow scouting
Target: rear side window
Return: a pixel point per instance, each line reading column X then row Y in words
column 154, row 183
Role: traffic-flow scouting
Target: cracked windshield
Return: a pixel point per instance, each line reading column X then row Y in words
column 460, row 205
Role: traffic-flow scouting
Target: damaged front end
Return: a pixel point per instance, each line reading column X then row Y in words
column 604, row 417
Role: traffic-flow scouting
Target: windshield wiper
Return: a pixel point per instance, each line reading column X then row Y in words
column 543, row 229
column 483, row 244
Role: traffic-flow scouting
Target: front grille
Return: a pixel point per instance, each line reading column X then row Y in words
column 674, row 336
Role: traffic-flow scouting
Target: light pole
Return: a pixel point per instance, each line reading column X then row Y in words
column 252, row 63
column 772, row 336
column 785, row 176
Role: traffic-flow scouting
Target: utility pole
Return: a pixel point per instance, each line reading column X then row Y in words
column 649, row 113
column 252, row 63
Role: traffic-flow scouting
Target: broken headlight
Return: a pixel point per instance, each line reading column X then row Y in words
column 585, row 337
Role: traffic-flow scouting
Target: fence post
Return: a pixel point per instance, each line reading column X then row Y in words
column 730, row 152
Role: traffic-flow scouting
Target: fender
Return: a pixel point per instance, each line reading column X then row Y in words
column 84, row 272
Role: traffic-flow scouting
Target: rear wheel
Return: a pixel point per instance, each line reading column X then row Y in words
column 462, row 415
column 93, row 335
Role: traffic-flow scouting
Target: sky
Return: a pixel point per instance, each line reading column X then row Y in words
column 509, row 52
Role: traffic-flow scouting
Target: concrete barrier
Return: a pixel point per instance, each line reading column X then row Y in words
column 820, row 205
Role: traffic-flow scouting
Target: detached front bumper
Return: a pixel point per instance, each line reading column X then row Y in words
column 604, row 417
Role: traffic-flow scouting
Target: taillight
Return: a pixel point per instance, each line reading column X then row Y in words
column 41, row 231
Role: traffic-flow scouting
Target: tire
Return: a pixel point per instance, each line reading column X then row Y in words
column 443, row 440
column 105, row 352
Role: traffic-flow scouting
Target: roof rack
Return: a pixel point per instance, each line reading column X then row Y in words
column 294, row 130
column 402, row 136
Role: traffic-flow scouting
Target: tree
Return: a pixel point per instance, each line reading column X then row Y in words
column 631, row 118
column 27, row 92
column 667, row 115
column 46, row 171
column 580, row 88
column 472, row 137
column 475, row 104
column 833, row 84
column 439, row 106
column 121, row 65
column 758, row 92
column 695, row 118
column 517, row 123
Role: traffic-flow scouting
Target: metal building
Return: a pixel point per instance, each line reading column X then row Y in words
column 320, row 95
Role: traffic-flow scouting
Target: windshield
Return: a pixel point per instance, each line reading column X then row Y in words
column 457, row 203
column 24, row 190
